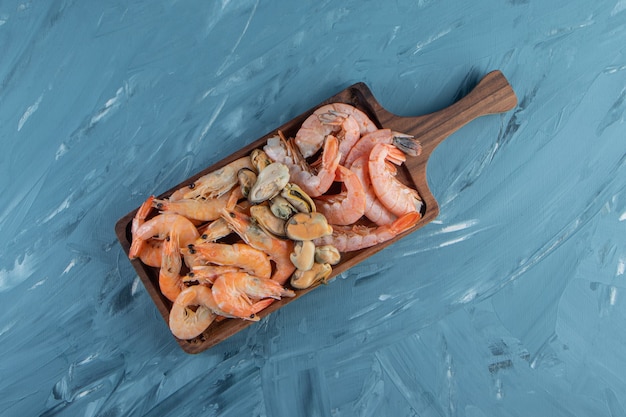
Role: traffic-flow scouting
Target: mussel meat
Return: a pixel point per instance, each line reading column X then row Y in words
column 319, row 273
column 264, row 216
column 307, row 226
column 303, row 255
column 269, row 182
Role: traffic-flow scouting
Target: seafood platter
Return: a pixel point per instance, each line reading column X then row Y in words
column 287, row 213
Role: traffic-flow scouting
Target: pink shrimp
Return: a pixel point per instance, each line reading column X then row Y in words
column 374, row 209
column 194, row 209
column 366, row 125
column 314, row 181
column 242, row 255
column 238, row 294
column 346, row 207
column 187, row 323
column 278, row 250
column 159, row 227
column 351, row 238
column 323, row 122
column 407, row 143
column 396, row 196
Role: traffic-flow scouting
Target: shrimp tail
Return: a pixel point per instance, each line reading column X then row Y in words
column 142, row 214
column 405, row 222
column 394, row 154
column 407, row 144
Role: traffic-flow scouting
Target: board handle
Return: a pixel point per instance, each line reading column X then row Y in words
column 493, row 94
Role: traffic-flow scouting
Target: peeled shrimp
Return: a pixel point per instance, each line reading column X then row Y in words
column 278, row 250
column 349, row 205
column 314, row 181
column 186, row 323
column 242, row 255
column 237, row 293
column 396, row 196
column 323, row 122
column 374, row 209
column 351, row 238
column 366, row 125
column 215, row 183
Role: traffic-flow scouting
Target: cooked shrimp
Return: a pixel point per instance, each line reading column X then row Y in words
column 215, row 183
column 257, row 287
column 159, row 227
column 242, row 255
column 170, row 281
column 396, row 196
column 213, row 231
column 366, row 125
column 351, row 238
column 140, row 218
column 187, row 323
column 349, row 205
column 314, row 181
column 194, row 209
column 277, row 249
column 237, row 293
column 374, row 209
column 364, row 145
column 151, row 252
column 206, row 274
column 141, row 215
column 323, row 122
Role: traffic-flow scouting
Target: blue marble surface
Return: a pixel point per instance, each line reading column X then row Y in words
column 511, row 303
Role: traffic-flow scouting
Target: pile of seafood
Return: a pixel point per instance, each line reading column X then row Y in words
column 277, row 220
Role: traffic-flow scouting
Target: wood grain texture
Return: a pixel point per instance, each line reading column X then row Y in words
column 493, row 94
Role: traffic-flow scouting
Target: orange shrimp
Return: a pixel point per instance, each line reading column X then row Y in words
column 323, row 122
column 140, row 218
column 374, row 209
column 187, row 323
column 213, row 231
column 170, row 281
column 396, row 196
column 242, row 255
column 278, row 250
column 194, row 209
column 159, row 227
column 237, row 294
column 206, row 274
column 257, row 287
column 346, row 207
column 407, row 143
column 351, row 238
column 151, row 252
column 314, row 181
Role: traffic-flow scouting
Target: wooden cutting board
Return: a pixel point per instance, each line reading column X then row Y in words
column 491, row 95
